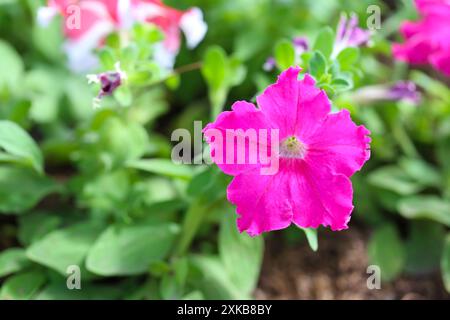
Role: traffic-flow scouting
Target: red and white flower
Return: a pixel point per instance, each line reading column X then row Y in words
column 88, row 22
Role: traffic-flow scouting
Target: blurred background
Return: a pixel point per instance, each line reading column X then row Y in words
column 91, row 194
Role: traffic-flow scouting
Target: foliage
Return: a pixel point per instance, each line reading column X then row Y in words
column 97, row 188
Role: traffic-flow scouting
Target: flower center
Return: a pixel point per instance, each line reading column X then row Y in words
column 291, row 147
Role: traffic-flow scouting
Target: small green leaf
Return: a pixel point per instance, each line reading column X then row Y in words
column 311, row 236
column 284, row 54
column 16, row 142
column 11, row 66
column 318, row 65
column 22, row 286
column 21, row 189
column 425, row 207
column 324, row 42
column 394, row 179
column 348, row 57
column 65, row 247
column 386, row 250
column 239, row 249
column 214, row 67
column 445, row 263
column 163, row 167
column 130, row 250
column 424, row 246
column 13, row 260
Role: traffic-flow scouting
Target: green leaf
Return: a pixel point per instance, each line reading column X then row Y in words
column 12, row 67
column 311, row 236
column 129, row 250
column 163, row 167
column 22, row 286
column 13, row 260
column 426, row 207
column 445, row 263
column 348, row 57
column 215, row 282
column 424, row 247
column 284, row 54
column 239, row 249
column 59, row 291
column 65, row 247
column 394, row 179
column 21, row 189
column 324, row 42
column 34, row 226
column 214, row 68
column 342, row 84
column 318, row 65
column 386, row 250
column 16, row 142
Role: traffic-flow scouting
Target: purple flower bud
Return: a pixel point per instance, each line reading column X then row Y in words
column 109, row 81
column 404, row 90
column 269, row 65
column 399, row 91
column 300, row 44
column 348, row 34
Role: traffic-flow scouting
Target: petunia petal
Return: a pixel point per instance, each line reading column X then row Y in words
column 293, row 106
column 339, row 144
column 262, row 202
column 279, row 101
column 319, row 197
column 244, row 116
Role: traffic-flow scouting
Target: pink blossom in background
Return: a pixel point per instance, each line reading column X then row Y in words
column 98, row 18
column 427, row 41
column 318, row 151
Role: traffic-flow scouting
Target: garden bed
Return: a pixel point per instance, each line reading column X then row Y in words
column 336, row 271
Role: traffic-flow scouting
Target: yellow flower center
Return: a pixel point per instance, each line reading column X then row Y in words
column 292, row 147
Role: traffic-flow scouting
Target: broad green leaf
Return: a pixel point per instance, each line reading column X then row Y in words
column 311, row 236
column 386, row 250
column 318, row 65
column 22, row 286
column 239, row 249
column 34, row 226
column 122, row 140
column 17, row 142
column 21, row 189
column 421, row 171
column 65, row 247
column 324, row 42
column 425, row 207
column 163, row 167
column 215, row 282
column 445, row 263
column 59, row 291
column 348, row 57
column 424, row 246
column 13, row 260
column 214, row 68
column 394, row 179
column 284, row 54
column 11, row 67
column 129, row 250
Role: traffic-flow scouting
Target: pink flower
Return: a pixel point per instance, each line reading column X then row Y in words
column 317, row 152
column 88, row 22
column 427, row 40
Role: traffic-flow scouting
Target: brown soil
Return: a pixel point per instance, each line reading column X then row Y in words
column 336, row 271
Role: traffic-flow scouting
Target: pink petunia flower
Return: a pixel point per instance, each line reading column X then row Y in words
column 427, row 40
column 88, row 22
column 317, row 151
